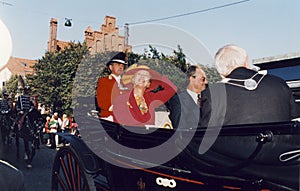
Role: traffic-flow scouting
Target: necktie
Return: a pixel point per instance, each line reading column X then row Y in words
column 199, row 100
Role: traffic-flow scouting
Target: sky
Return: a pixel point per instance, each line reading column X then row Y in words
column 263, row 28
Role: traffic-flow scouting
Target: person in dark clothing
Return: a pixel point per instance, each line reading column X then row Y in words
column 24, row 105
column 245, row 96
column 185, row 106
column 11, row 179
column 5, row 120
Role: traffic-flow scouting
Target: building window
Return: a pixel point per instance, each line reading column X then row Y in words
column 98, row 46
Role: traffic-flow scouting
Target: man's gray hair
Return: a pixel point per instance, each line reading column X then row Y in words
column 230, row 57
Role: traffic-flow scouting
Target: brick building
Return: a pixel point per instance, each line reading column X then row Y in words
column 107, row 39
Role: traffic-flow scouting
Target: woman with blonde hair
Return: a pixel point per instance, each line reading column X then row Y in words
column 149, row 90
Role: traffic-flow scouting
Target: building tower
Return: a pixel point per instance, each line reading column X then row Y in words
column 52, row 43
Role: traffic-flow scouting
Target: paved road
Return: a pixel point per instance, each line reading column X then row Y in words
column 38, row 178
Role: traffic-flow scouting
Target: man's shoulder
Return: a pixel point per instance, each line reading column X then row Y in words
column 24, row 96
column 182, row 92
column 214, row 87
column 274, row 78
column 7, row 167
column 106, row 79
column 186, row 98
column 103, row 78
column 14, row 178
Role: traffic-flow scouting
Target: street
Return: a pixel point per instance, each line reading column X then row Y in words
column 38, row 178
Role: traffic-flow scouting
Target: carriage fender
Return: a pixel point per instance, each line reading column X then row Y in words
column 87, row 158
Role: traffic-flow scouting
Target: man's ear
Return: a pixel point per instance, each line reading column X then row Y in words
column 246, row 64
column 110, row 67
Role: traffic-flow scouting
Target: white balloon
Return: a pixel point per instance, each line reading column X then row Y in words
column 5, row 44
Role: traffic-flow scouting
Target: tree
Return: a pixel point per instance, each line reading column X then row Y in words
column 54, row 75
column 12, row 85
column 61, row 78
column 179, row 60
column 158, row 61
column 211, row 74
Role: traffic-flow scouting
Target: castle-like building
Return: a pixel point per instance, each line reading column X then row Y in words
column 107, row 39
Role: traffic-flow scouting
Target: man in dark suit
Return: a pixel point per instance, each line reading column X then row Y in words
column 245, row 96
column 185, row 106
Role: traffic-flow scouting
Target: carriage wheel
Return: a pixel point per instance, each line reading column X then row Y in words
column 68, row 173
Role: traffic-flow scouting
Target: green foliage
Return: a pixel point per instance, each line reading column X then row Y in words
column 168, row 69
column 89, row 70
column 54, row 75
column 179, row 60
column 173, row 66
column 12, row 85
column 61, row 78
column 212, row 74
column 133, row 58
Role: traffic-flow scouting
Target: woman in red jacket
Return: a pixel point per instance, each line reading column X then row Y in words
column 149, row 90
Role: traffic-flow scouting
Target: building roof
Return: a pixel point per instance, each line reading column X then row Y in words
column 19, row 66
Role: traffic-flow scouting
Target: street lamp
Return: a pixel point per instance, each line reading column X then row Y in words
column 68, row 22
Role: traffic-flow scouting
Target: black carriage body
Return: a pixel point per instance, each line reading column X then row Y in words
column 249, row 157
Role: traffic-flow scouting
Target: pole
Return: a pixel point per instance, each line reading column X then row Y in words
column 126, row 31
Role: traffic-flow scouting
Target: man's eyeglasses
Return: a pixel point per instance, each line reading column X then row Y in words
column 202, row 78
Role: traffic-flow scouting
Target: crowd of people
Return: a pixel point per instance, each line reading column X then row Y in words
column 13, row 116
column 55, row 124
column 21, row 120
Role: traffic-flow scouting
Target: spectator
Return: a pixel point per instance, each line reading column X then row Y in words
column 54, row 128
column 65, row 124
column 74, row 127
column 47, row 131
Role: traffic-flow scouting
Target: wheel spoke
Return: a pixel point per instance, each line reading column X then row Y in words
column 65, row 171
column 78, row 176
column 61, row 182
column 71, row 170
column 68, row 174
